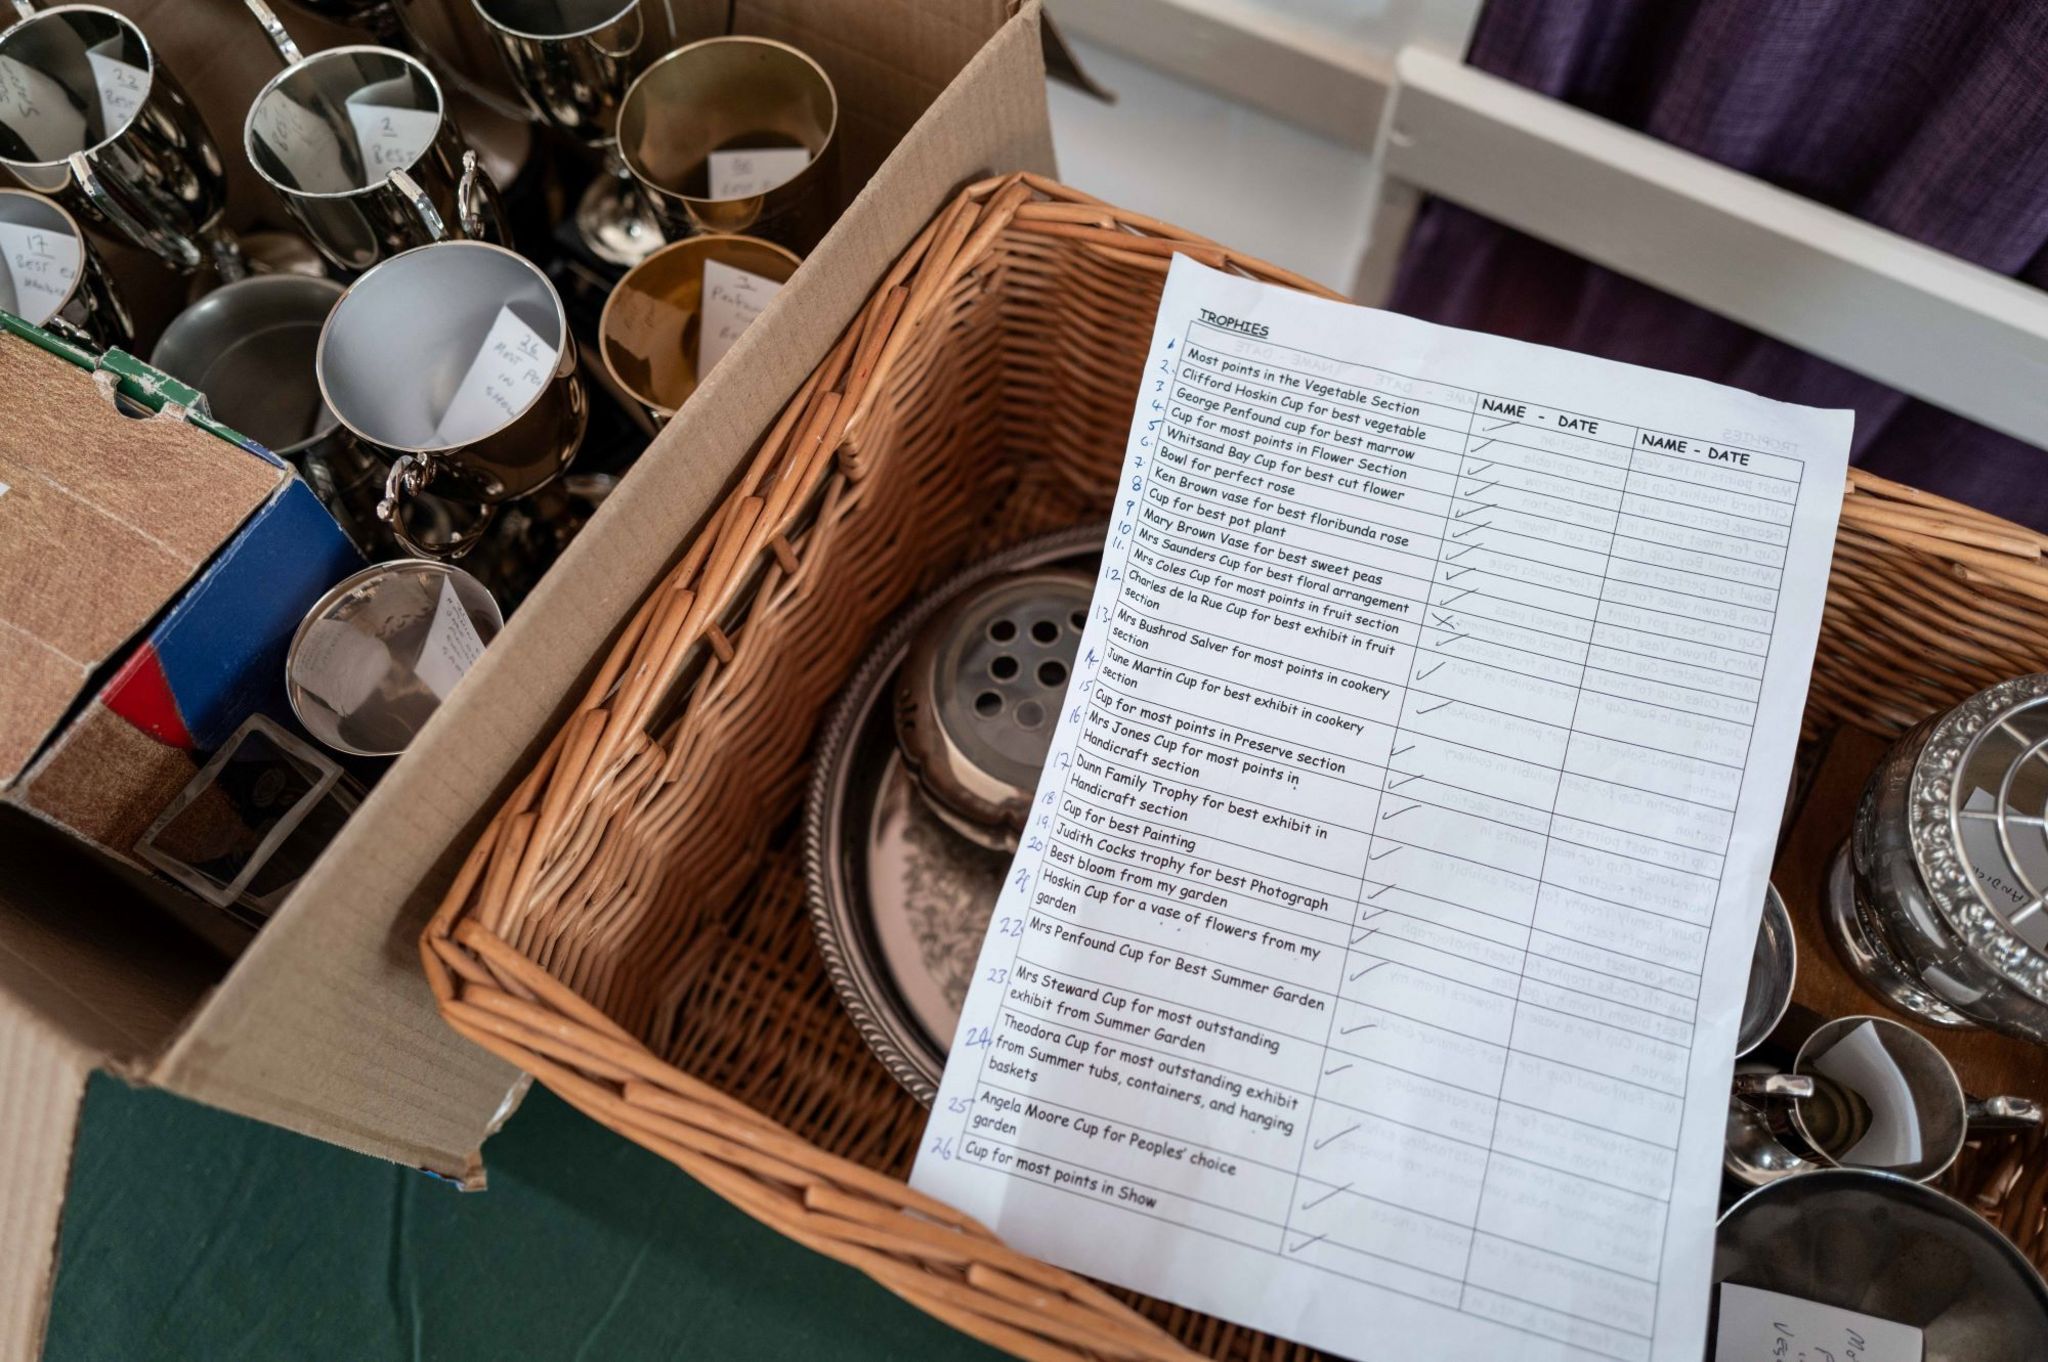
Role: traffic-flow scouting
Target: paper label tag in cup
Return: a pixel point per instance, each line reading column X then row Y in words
column 452, row 645
column 391, row 138
column 1764, row 1326
column 739, row 174
column 646, row 335
column 340, row 665
column 1860, row 1063
column 122, row 86
column 307, row 145
column 732, row 299
column 43, row 266
column 512, row 365
column 36, row 109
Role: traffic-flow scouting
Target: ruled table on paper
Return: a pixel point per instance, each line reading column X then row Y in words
column 1370, row 969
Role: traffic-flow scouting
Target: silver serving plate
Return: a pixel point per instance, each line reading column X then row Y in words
column 899, row 899
column 1939, row 901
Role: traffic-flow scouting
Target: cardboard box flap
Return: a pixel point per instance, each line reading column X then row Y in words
column 42, row 1083
column 88, row 976
column 303, row 1032
column 103, row 519
column 82, row 950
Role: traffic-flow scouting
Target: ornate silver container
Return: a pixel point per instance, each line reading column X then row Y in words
column 1937, row 900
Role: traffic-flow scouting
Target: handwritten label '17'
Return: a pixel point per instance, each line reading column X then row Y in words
column 43, row 266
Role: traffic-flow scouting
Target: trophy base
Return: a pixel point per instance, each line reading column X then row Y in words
column 1868, row 962
column 615, row 222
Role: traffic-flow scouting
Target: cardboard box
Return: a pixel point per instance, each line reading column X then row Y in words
column 324, row 1025
column 150, row 620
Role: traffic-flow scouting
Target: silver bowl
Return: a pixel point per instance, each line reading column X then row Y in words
column 1884, row 1246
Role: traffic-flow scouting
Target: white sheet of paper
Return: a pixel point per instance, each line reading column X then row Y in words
column 39, row 111
column 737, row 174
column 391, row 138
column 732, row 299
column 452, row 645
column 122, row 86
column 1371, row 966
column 42, row 266
column 510, row 367
column 1860, row 1063
column 1765, row 1326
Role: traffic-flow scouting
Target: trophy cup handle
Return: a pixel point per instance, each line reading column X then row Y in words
column 274, row 27
column 179, row 252
column 1754, row 1089
column 2003, row 1113
column 410, row 474
column 469, row 197
column 422, row 206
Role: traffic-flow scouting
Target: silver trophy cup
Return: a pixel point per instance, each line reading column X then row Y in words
column 358, row 143
column 572, row 60
column 89, row 116
column 455, row 362
column 51, row 277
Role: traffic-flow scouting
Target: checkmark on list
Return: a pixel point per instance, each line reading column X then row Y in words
column 1311, row 1205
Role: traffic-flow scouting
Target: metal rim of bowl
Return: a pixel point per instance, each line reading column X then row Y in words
column 1926, row 1199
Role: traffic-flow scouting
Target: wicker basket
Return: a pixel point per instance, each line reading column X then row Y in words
column 631, row 928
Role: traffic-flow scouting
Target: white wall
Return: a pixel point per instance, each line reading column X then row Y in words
column 1194, row 158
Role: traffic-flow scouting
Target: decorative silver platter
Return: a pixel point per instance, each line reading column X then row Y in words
column 899, row 901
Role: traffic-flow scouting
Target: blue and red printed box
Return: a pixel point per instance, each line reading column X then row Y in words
column 158, row 564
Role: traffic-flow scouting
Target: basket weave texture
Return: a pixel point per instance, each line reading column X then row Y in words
column 631, row 928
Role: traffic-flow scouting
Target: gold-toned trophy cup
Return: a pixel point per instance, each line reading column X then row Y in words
column 651, row 331
column 724, row 98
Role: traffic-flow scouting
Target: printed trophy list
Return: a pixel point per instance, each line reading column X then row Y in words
column 1370, row 970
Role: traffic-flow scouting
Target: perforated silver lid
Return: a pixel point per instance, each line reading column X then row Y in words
column 979, row 696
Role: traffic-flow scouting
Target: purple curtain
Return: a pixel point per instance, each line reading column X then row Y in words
column 1926, row 117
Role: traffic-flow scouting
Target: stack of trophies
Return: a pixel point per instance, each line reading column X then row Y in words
column 407, row 349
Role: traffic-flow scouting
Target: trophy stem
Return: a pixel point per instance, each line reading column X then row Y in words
column 226, row 253
column 614, row 218
column 1867, row 959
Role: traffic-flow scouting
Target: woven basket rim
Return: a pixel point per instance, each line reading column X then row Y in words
column 488, row 991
